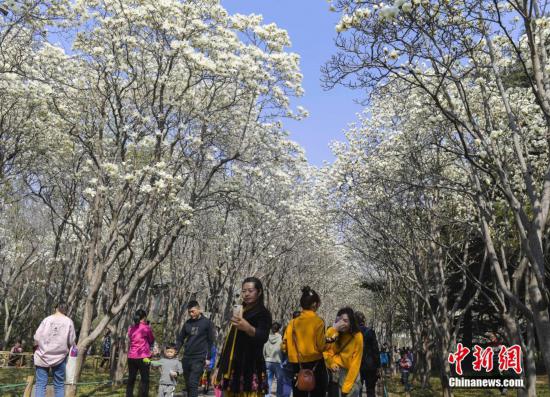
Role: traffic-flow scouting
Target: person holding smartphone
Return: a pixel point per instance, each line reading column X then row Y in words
column 343, row 357
column 304, row 342
column 241, row 369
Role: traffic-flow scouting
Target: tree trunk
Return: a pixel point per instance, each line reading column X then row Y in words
column 529, row 359
column 444, row 368
column 120, row 368
column 509, row 320
column 530, row 366
column 121, row 345
column 427, row 369
column 542, row 321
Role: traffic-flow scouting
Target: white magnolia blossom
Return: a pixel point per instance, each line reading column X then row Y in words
column 388, row 12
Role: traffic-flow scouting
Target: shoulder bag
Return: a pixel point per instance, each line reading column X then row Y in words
column 305, row 379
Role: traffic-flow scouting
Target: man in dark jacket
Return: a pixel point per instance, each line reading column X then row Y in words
column 197, row 336
column 371, row 357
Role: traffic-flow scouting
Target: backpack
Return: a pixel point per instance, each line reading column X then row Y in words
column 370, row 359
column 384, row 360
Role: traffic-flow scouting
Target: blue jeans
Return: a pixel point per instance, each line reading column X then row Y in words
column 58, row 373
column 274, row 371
column 405, row 380
column 285, row 380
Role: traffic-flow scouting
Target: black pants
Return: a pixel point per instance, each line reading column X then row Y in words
column 135, row 365
column 192, row 372
column 106, row 359
column 321, row 379
column 369, row 378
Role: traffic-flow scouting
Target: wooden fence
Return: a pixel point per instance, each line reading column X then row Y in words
column 24, row 360
column 17, row 360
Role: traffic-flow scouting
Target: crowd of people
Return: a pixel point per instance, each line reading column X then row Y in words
column 394, row 360
column 307, row 358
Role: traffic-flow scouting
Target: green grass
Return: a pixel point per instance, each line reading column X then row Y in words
column 11, row 376
column 15, row 376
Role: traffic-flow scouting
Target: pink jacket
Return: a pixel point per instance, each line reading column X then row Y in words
column 141, row 338
column 53, row 338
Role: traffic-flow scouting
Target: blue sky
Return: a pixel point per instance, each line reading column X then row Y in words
column 310, row 25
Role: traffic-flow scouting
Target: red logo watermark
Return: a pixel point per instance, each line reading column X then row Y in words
column 484, row 358
column 456, row 358
column 508, row 358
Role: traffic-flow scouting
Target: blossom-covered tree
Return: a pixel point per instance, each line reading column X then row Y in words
column 475, row 70
column 143, row 153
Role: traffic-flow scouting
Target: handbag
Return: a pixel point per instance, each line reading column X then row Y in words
column 305, row 379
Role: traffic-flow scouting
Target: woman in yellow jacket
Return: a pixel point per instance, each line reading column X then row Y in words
column 304, row 343
column 343, row 357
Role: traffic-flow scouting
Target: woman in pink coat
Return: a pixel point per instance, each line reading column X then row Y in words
column 141, row 338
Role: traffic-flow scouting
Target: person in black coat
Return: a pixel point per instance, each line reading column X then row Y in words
column 370, row 363
column 197, row 337
column 241, row 369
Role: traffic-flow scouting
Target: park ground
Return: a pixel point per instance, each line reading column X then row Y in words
column 17, row 376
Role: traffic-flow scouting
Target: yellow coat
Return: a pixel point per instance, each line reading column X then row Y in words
column 310, row 336
column 349, row 357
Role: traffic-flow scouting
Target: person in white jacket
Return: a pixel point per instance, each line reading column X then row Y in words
column 273, row 357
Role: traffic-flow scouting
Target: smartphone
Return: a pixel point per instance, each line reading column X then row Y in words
column 238, row 311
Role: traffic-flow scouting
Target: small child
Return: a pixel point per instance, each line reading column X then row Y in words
column 405, row 365
column 170, row 368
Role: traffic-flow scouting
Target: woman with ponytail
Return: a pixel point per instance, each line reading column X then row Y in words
column 141, row 338
column 305, row 342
